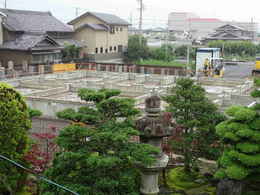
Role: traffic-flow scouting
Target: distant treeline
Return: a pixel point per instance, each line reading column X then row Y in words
column 236, row 48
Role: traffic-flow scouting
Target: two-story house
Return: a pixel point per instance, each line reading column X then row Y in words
column 32, row 36
column 230, row 32
column 105, row 36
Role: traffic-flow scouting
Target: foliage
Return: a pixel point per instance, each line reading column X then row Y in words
column 14, row 126
column 160, row 63
column 188, row 183
column 255, row 93
column 34, row 113
column 240, row 134
column 70, row 52
column 181, row 51
column 137, row 48
column 231, row 48
column 257, row 82
column 181, row 180
column 41, row 152
column 164, row 53
column 196, row 116
column 97, row 155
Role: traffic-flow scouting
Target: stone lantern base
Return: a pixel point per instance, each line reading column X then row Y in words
column 150, row 176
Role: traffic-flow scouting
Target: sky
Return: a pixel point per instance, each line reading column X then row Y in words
column 155, row 13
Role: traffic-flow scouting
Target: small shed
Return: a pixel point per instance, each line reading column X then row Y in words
column 206, row 53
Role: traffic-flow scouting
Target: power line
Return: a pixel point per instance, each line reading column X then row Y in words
column 39, row 176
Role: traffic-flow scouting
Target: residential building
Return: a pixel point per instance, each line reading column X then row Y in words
column 105, row 36
column 199, row 28
column 32, row 37
column 230, row 32
column 179, row 21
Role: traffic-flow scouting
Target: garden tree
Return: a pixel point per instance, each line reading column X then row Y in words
column 41, row 151
column 137, row 49
column 70, row 52
column 98, row 155
column 14, row 126
column 181, row 51
column 34, row 113
column 164, row 53
column 240, row 134
column 195, row 117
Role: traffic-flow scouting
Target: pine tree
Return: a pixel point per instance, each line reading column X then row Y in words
column 98, row 155
column 240, row 135
column 196, row 117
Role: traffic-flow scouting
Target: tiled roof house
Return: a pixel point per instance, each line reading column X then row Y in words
column 32, row 36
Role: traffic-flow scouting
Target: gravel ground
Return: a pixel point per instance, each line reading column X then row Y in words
column 242, row 70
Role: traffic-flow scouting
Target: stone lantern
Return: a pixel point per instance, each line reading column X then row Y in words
column 153, row 127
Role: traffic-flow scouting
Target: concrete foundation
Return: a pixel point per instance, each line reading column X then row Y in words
column 52, row 93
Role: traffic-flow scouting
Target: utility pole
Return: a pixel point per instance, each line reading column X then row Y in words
column 5, row 4
column 188, row 46
column 167, row 41
column 131, row 18
column 141, row 20
column 77, row 11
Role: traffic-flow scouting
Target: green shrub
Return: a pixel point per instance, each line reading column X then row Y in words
column 14, row 141
column 225, row 160
column 240, row 135
column 237, row 172
column 257, row 82
column 160, row 63
column 221, row 128
column 246, row 133
column 180, row 180
column 34, row 113
column 231, row 136
column 248, row 160
column 244, row 114
column 255, row 93
column 248, row 147
column 220, row 174
column 255, row 124
column 232, row 110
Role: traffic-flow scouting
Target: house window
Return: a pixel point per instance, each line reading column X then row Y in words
column 110, row 48
column 96, row 50
column 106, row 50
column 120, row 48
column 101, row 49
column 121, row 29
column 112, row 30
column 115, row 48
column 116, row 29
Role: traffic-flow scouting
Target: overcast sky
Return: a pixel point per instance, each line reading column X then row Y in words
column 156, row 11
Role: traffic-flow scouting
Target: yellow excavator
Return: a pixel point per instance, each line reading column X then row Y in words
column 209, row 63
column 213, row 68
column 256, row 70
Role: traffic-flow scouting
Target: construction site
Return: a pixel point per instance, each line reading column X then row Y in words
column 51, row 93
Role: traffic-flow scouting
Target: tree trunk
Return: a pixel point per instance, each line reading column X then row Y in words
column 187, row 160
column 229, row 187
